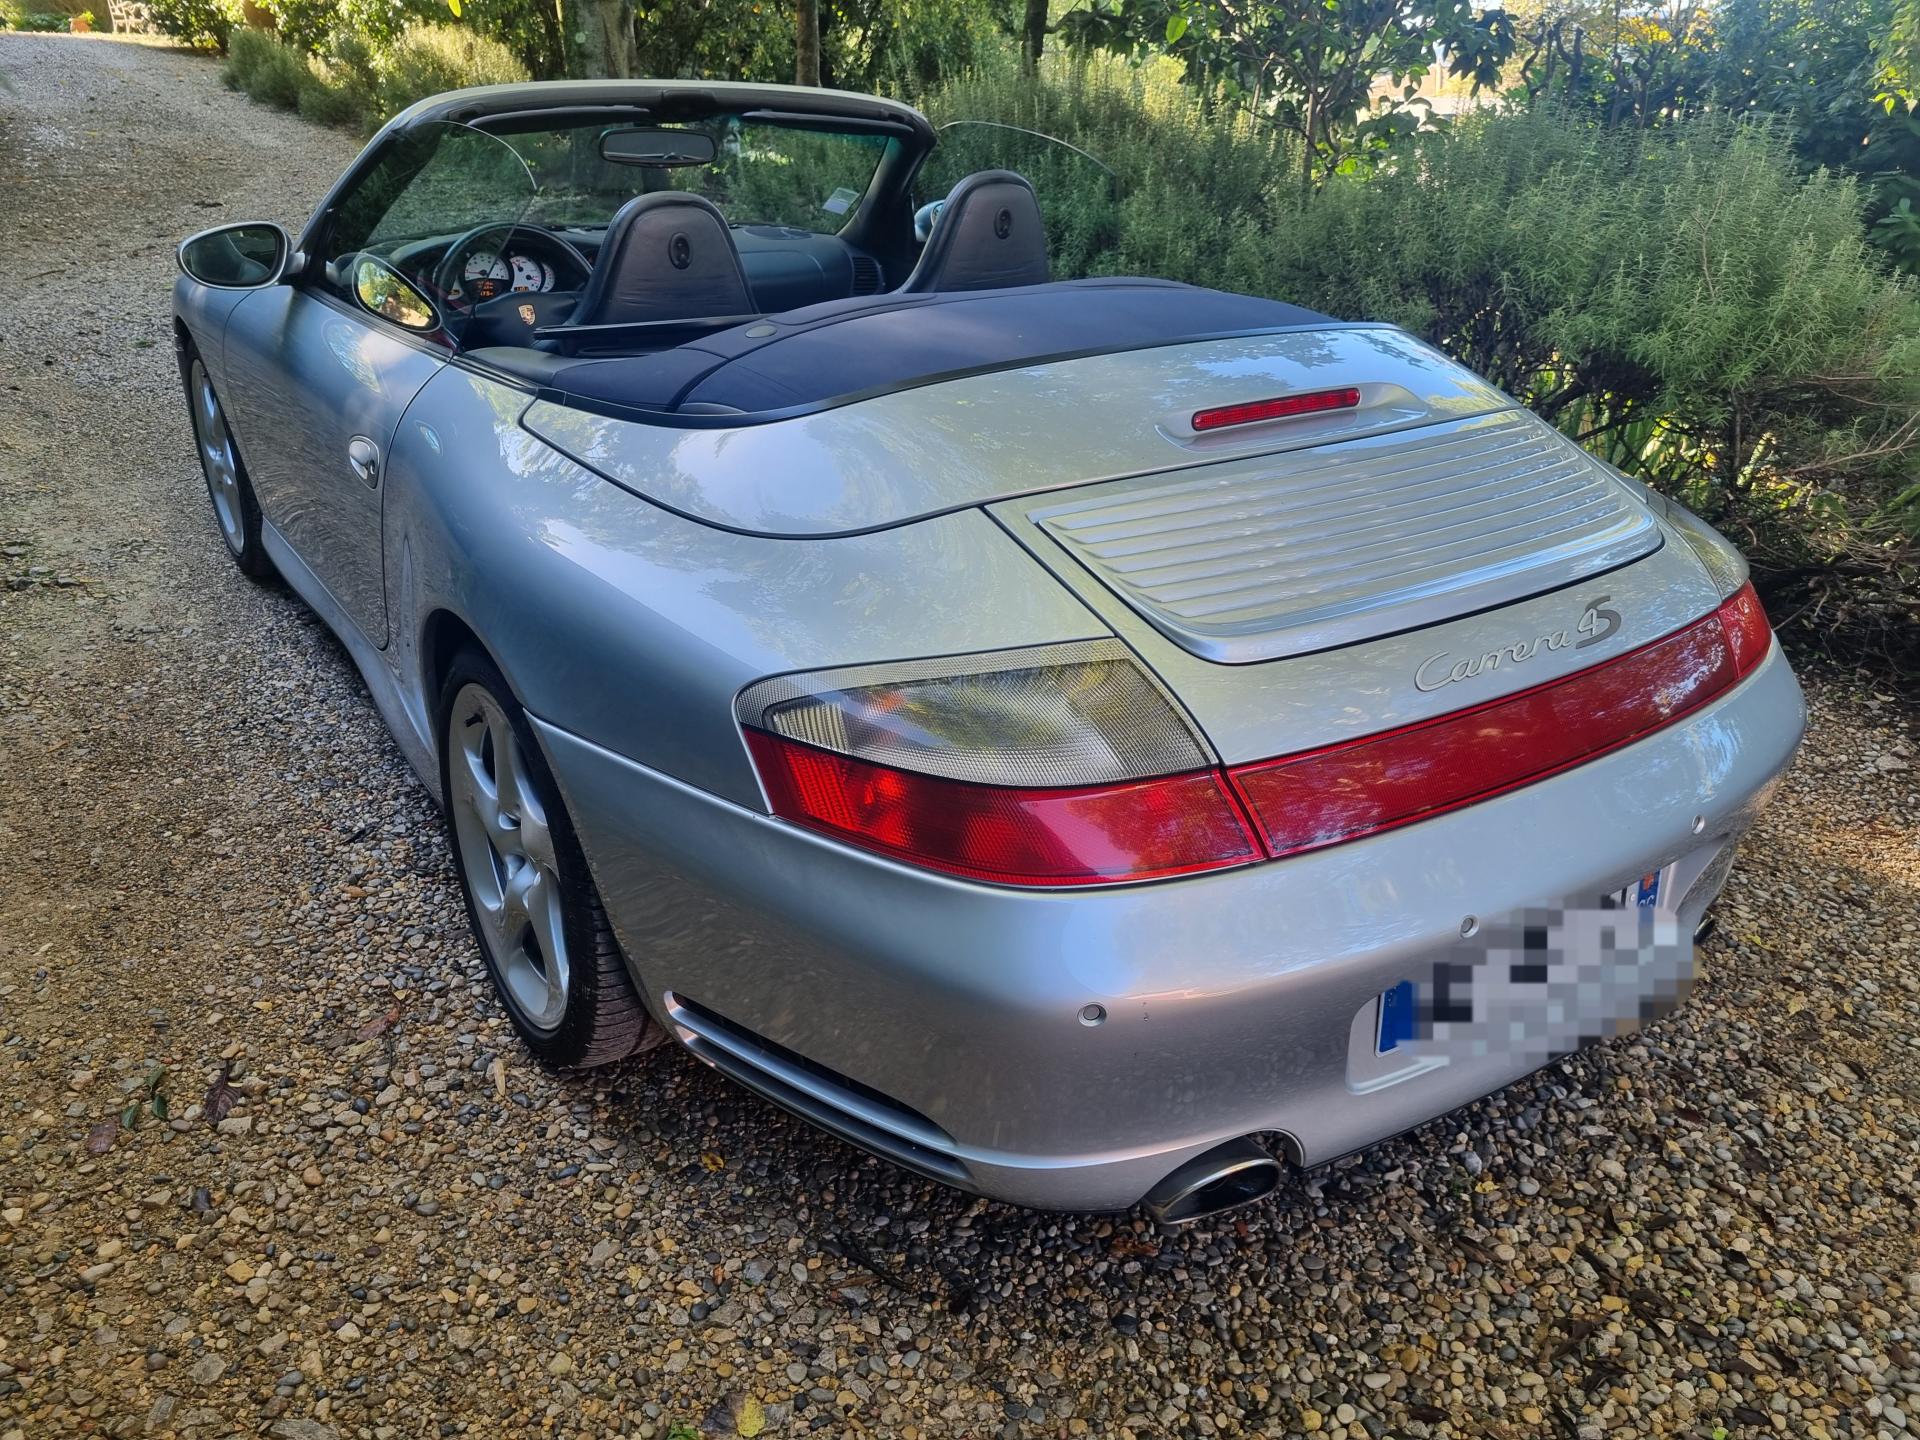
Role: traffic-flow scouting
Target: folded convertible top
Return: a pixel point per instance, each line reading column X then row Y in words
column 849, row 349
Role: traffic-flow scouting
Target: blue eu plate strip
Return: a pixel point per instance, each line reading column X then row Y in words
column 1399, row 1008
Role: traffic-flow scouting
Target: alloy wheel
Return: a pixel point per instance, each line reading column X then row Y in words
column 506, row 855
column 217, row 458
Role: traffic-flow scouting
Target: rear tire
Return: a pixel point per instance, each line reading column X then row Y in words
column 531, row 900
column 235, row 510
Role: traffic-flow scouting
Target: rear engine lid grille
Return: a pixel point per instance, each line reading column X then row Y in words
column 1290, row 553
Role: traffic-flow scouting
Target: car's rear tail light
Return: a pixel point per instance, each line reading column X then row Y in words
column 1069, row 765
column 1077, row 835
column 1322, row 797
column 1748, row 632
column 1064, row 765
column 1280, row 407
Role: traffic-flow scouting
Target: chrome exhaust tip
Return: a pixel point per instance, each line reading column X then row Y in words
column 1224, row 1178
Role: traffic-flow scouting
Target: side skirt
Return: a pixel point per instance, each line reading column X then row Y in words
column 373, row 669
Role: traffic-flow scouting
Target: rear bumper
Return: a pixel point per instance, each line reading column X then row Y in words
column 939, row 1022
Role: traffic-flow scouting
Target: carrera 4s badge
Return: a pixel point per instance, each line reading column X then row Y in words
column 1599, row 621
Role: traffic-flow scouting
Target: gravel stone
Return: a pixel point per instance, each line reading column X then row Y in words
column 217, row 862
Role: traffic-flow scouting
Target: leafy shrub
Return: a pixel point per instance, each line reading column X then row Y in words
column 326, row 101
column 342, row 85
column 202, row 23
column 39, row 22
column 265, row 69
column 427, row 59
column 1683, row 301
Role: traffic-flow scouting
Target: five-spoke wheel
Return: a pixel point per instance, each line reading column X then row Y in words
column 507, row 860
column 534, row 908
column 234, row 507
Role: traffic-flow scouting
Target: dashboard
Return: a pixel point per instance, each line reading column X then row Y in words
column 786, row 268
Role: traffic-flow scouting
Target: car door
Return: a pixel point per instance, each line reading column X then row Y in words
column 317, row 383
column 318, row 390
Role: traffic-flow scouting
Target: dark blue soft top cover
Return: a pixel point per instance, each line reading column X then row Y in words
column 847, row 348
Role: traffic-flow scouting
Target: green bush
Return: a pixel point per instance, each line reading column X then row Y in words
column 1683, row 301
column 351, row 85
column 265, row 69
column 205, row 24
column 326, row 101
column 341, row 86
column 39, row 22
column 427, row 59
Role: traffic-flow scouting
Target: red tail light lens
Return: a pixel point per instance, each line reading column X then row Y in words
column 1279, row 408
column 1083, row 835
column 1322, row 797
column 935, row 763
column 1748, row 632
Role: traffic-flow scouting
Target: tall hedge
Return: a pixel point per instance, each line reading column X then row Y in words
column 1684, row 300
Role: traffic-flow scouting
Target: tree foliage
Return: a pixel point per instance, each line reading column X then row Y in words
column 1342, row 75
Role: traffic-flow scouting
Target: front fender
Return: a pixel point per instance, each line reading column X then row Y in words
column 200, row 312
column 633, row 627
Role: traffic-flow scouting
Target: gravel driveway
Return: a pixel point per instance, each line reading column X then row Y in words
column 215, row 863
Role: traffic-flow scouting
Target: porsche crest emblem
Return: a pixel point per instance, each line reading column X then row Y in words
column 527, row 316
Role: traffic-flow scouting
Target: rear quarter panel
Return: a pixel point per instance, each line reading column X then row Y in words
column 634, row 627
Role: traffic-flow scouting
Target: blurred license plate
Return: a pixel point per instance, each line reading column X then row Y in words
column 1399, row 1008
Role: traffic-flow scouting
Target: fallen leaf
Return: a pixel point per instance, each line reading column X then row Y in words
column 159, row 1107
column 1577, row 1332
column 749, row 1415
column 101, row 1137
column 1428, row 1414
column 380, row 1024
column 220, row 1095
column 712, row 1160
column 1474, row 1249
column 130, row 1116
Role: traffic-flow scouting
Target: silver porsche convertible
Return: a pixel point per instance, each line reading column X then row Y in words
column 1090, row 742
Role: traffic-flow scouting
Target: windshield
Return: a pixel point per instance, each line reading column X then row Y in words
column 760, row 174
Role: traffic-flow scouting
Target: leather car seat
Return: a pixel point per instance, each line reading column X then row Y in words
column 989, row 236
column 667, row 256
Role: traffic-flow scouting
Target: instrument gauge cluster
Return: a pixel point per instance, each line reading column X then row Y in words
column 489, row 273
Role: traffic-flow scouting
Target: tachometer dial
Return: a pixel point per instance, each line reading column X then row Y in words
column 531, row 274
column 486, row 275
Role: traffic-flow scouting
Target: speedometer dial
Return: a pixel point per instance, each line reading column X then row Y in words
column 486, row 275
column 531, row 274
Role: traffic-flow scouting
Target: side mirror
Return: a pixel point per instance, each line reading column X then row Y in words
column 390, row 295
column 249, row 256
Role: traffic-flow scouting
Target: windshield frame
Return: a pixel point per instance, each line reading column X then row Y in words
column 881, row 224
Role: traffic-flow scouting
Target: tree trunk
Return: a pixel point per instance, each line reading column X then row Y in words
column 1033, row 35
column 806, row 42
column 602, row 38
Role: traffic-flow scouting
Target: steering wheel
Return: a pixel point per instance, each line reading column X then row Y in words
column 451, row 270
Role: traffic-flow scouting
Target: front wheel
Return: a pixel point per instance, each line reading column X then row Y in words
column 532, row 903
column 234, row 507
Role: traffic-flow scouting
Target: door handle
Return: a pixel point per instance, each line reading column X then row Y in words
column 364, row 456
